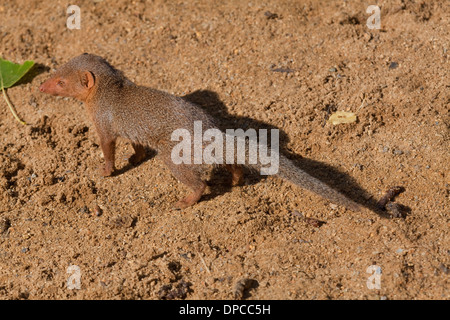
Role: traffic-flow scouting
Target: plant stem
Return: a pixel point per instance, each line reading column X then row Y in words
column 9, row 103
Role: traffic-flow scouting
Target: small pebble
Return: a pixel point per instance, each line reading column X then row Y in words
column 270, row 15
column 5, row 224
column 98, row 211
column 83, row 210
column 32, row 102
column 443, row 268
column 393, row 65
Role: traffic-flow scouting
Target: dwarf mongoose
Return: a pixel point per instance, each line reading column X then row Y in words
column 148, row 117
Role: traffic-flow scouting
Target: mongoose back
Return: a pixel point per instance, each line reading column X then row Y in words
column 148, row 117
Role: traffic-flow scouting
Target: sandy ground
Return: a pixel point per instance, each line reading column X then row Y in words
column 271, row 64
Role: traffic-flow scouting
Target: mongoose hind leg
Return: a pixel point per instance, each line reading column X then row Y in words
column 190, row 176
column 237, row 174
column 139, row 154
column 192, row 198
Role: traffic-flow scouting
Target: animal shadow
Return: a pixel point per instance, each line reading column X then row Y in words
column 149, row 154
column 335, row 178
column 35, row 70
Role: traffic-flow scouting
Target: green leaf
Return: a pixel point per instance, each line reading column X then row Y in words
column 11, row 72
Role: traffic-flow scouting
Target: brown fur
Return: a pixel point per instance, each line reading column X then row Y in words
column 147, row 117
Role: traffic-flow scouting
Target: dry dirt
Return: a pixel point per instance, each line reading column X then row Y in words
column 273, row 64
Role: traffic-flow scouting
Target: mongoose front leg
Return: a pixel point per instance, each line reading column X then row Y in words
column 138, row 156
column 109, row 149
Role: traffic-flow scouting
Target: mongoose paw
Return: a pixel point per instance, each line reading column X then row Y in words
column 183, row 204
column 189, row 200
column 105, row 171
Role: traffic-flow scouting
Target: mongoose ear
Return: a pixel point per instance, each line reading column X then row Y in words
column 88, row 79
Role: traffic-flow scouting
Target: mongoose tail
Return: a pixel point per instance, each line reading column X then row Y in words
column 287, row 170
column 290, row 172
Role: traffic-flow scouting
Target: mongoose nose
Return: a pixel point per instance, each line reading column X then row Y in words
column 41, row 88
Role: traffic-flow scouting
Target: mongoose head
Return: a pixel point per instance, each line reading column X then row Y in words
column 80, row 76
column 67, row 82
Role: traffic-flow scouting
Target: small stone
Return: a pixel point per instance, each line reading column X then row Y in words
column 98, row 211
column 444, row 269
column 84, row 210
column 5, row 224
column 368, row 36
column 393, row 65
column 270, row 15
column 32, row 102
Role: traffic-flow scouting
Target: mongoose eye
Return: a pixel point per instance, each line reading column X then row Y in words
column 61, row 83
